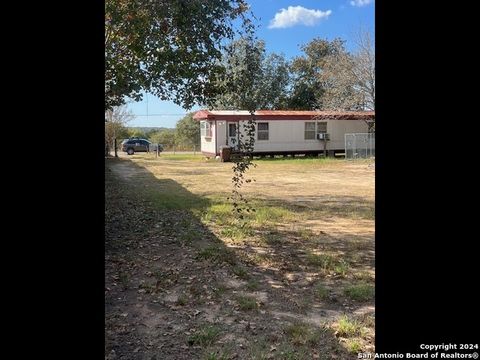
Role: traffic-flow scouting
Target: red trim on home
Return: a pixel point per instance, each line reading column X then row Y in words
column 201, row 114
column 264, row 115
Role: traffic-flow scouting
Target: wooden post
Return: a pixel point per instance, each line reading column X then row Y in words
column 194, row 149
column 115, row 144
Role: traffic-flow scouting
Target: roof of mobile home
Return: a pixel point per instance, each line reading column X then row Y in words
column 235, row 115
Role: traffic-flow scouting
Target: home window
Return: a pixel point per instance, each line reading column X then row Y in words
column 205, row 129
column 232, row 130
column 321, row 127
column 262, row 131
column 310, row 130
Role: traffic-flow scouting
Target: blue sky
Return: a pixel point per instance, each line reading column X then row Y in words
column 284, row 26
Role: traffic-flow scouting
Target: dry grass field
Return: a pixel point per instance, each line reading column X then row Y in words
column 294, row 281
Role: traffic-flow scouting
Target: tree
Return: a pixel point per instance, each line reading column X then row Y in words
column 115, row 122
column 269, row 77
column 274, row 82
column 138, row 133
column 339, row 84
column 364, row 69
column 348, row 80
column 188, row 131
column 165, row 137
column 307, row 88
column 239, row 89
column 169, row 48
column 242, row 61
column 328, row 77
column 173, row 50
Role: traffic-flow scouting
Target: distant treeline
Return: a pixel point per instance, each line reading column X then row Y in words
column 185, row 136
column 147, row 130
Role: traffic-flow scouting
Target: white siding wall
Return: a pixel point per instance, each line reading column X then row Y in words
column 289, row 135
column 208, row 143
column 338, row 128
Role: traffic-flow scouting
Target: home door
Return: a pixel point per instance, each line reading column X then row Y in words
column 233, row 135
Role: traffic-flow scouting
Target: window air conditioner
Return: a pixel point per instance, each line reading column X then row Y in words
column 323, row 136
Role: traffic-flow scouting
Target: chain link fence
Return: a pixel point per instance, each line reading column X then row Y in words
column 359, row 146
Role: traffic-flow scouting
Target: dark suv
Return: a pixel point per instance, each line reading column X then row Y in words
column 133, row 145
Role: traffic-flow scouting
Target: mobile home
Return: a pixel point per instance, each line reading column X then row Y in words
column 282, row 132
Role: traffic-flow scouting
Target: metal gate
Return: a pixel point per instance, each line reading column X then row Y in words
column 359, row 146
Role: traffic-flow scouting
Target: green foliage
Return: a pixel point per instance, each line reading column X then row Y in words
column 360, row 292
column 340, row 90
column 267, row 82
column 239, row 84
column 137, row 133
column 122, row 133
column 253, row 285
column 115, row 130
column 320, row 291
column 297, row 333
column 218, row 254
column 151, row 46
column 165, row 137
column 329, row 263
column 242, row 61
column 184, row 136
column 115, row 122
column 348, row 327
column 307, row 88
column 300, row 333
column 274, row 82
column 354, row 345
column 184, row 157
column 188, row 131
column 205, row 336
column 241, row 165
column 237, row 231
column 247, row 303
column 268, row 214
column 327, row 77
column 364, row 276
column 304, row 95
column 241, row 272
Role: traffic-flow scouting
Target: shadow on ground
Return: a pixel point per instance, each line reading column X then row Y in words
column 174, row 290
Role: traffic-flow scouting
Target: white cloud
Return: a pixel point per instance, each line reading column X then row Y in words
column 295, row 15
column 360, row 2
